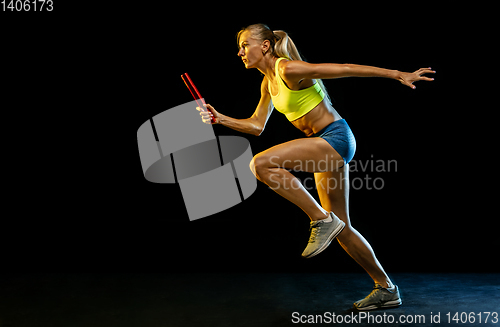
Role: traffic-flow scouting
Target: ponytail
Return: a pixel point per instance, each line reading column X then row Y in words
column 282, row 45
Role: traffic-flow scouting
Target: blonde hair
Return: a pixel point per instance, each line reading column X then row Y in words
column 282, row 45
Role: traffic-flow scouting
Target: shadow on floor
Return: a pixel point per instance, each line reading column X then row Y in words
column 278, row 299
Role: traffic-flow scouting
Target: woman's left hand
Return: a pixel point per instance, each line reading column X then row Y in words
column 408, row 78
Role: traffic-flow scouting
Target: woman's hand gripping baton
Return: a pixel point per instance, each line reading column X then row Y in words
column 196, row 94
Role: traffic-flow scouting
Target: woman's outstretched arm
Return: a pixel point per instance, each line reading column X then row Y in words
column 295, row 70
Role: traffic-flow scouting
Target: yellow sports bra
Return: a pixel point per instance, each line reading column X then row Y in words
column 295, row 104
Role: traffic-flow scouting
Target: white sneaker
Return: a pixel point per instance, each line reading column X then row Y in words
column 322, row 234
column 380, row 297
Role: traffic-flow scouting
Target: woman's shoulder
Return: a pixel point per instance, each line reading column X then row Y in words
column 290, row 73
column 282, row 66
column 283, row 62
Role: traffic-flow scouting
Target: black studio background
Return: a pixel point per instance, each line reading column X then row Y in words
column 99, row 73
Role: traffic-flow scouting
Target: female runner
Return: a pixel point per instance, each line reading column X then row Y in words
column 295, row 89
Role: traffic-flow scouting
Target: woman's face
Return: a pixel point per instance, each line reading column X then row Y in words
column 251, row 50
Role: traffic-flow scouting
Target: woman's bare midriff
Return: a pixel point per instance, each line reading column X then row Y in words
column 317, row 119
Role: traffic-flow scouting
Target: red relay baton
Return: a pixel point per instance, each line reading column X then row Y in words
column 195, row 93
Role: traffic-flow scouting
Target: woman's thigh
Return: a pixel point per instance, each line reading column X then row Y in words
column 309, row 155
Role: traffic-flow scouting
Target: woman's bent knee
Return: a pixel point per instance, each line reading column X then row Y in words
column 258, row 164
